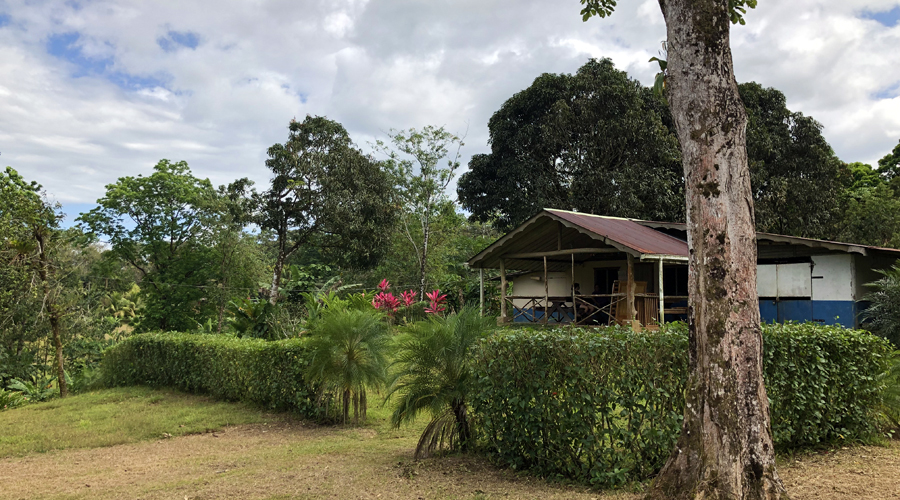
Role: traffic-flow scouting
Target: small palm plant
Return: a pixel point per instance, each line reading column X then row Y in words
column 432, row 373
column 883, row 315
column 349, row 349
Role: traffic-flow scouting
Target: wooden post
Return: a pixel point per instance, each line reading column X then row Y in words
column 546, row 294
column 629, row 292
column 481, row 290
column 574, row 304
column 503, row 316
column 662, row 307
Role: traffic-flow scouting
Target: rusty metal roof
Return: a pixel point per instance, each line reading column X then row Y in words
column 555, row 231
column 626, row 232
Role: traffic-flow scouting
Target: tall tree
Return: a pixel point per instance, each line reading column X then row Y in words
column 415, row 161
column 725, row 449
column 889, row 168
column 795, row 175
column 30, row 225
column 325, row 193
column 596, row 141
column 160, row 224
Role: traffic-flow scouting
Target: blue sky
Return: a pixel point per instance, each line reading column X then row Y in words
column 96, row 90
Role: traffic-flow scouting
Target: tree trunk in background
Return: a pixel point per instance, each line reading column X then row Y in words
column 53, row 312
column 725, row 449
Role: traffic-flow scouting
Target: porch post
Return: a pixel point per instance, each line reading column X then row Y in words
column 574, row 304
column 481, row 290
column 662, row 307
column 503, row 316
column 546, row 293
column 629, row 292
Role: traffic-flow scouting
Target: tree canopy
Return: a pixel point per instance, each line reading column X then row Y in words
column 596, row 141
column 326, row 193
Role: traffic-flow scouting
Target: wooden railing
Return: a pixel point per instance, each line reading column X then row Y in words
column 603, row 309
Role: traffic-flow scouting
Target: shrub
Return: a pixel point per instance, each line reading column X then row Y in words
column 824, row 382
column 349, row 350
column 883, row 314
column 606, row 406
column 270, row 374
column 432, row 373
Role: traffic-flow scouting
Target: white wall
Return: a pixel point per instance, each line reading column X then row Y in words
column 783, row 280
column 837, row 277
column 527, row 285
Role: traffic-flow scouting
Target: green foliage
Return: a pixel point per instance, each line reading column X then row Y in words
column 871, row 216
column 348, row 349
column 795, row 175
column 251, row 318
column 36, row 390
column 605, row 406
column 160, row 225
column 603, row 8
column 327, row 194
column 596, row 141
column 883, row 314
column 11, row 399
column 270, row 374
column 414, row 160
column 824, row 382
column 432, row 373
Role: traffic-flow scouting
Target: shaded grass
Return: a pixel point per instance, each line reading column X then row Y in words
column 115, row 416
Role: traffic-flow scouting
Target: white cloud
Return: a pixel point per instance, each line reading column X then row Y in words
column 375, row 66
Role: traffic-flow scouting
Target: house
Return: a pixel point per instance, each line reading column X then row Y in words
column 588, row 269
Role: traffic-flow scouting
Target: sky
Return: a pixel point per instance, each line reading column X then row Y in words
column 93, row 90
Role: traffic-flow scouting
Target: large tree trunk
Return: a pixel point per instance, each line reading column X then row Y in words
column 725, row 449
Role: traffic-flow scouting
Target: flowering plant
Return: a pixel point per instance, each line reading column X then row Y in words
column 436, row 302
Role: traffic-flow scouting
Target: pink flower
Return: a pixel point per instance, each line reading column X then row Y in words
column 384, row 286
column 436, row 302
column 409, row 297
column 386, row 302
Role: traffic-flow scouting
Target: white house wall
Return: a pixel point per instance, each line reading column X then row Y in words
column 833, row 277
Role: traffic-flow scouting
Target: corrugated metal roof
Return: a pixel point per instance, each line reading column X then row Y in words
column 627, row 232
column 794, row 240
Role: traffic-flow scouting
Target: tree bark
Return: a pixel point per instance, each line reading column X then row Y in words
column 725, row 449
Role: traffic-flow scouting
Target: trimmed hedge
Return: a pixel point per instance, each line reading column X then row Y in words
column 269, row 374
column 605, row 406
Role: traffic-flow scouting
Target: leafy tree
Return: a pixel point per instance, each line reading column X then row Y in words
column 325, row 193
column 871, row 216
column 160, row 224
column 883, row 314
column 889, row 168
column 415, row 162
column 794, row 174
column 432, row 374
column 349, row 348
column 725, row 449
column 595, row 142
column 861, row 175
column 30, row 227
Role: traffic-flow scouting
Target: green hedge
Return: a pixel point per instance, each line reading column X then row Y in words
column 269, row 374
column 605, row 406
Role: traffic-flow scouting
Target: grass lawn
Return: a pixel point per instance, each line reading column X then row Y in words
column 114, row 416
column 114, row 444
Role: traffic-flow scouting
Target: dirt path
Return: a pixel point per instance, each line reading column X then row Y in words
column 290, row 460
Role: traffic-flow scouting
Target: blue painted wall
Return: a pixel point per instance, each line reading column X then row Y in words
column 828, row 312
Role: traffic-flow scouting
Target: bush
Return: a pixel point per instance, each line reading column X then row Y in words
column 883, row 314
column 606, row 406
column 269, row 374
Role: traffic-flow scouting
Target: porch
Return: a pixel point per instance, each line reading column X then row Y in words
column 637, row 276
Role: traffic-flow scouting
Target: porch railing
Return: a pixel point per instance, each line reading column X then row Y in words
column 594, row 309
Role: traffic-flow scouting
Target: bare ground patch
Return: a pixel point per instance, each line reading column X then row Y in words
column 282, row 460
